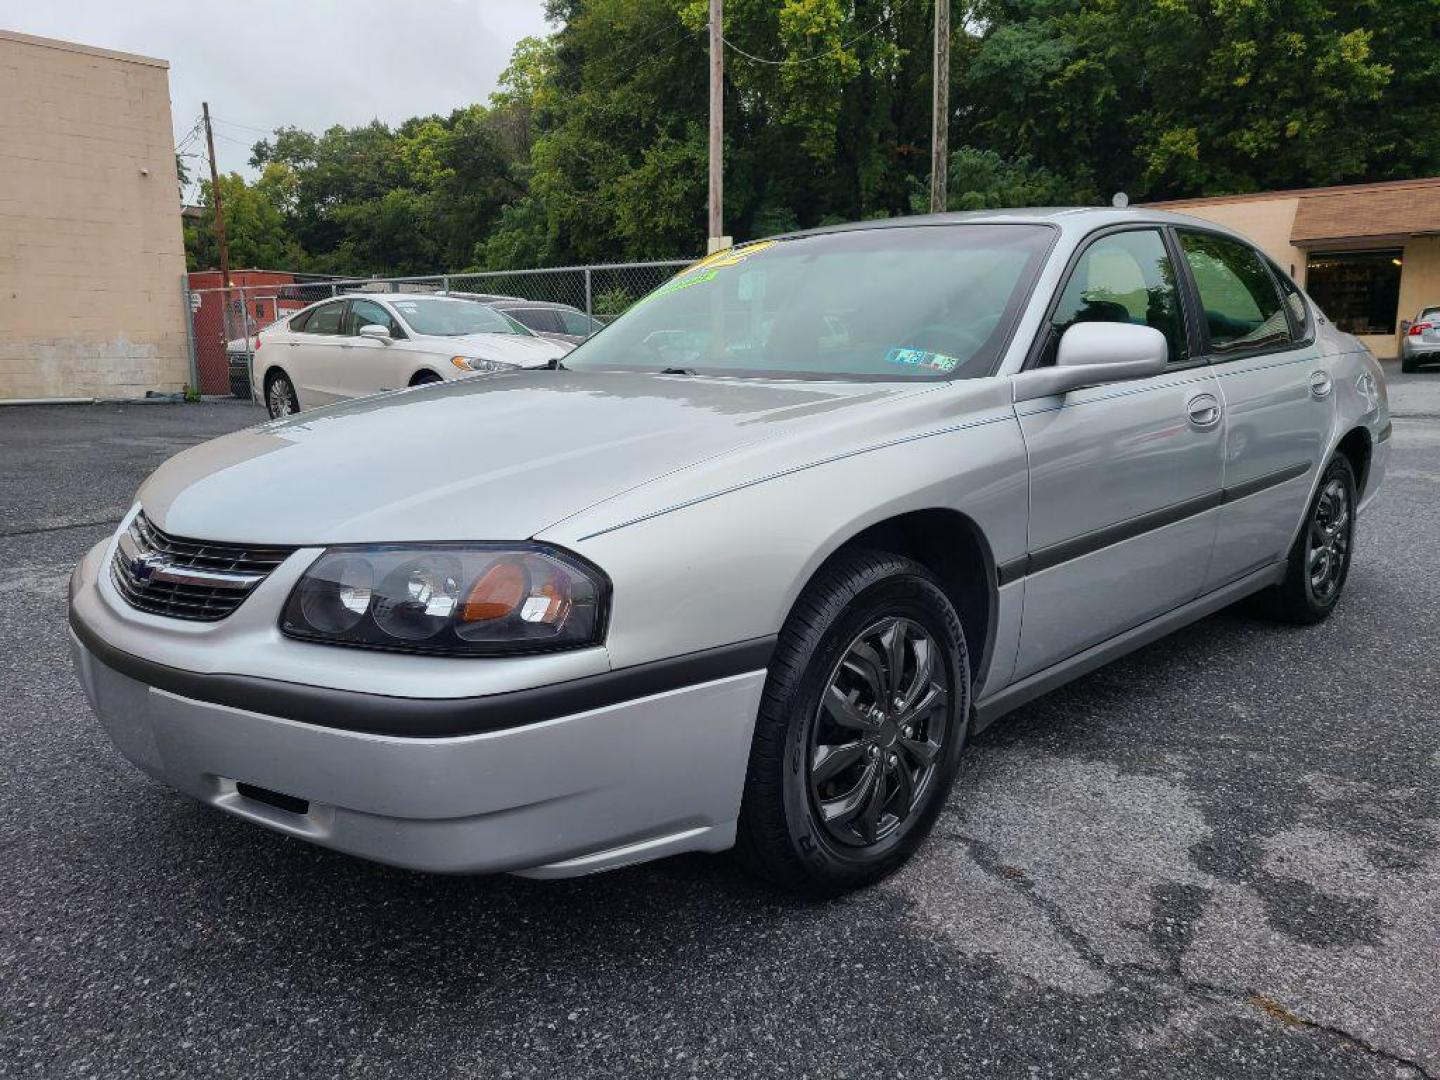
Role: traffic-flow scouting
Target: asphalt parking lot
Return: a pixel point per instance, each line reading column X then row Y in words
column 1217, row 857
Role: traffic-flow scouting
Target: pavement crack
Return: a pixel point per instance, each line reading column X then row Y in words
column 985, row 857
column 37, row 530
column 1285, row 1015
column 1144, row 977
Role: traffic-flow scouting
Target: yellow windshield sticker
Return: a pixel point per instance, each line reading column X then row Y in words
column 728, row 257
column 708, row 268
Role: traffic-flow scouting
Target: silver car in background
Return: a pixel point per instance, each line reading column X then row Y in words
column 751, row 566
column 1420, row 340
column 365, row 343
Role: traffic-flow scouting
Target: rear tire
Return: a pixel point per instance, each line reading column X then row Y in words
column 860, row 728
column 1319, row 560
column 280, row 399
column 1409, row 367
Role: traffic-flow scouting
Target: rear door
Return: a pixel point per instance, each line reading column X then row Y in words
column 1279, row 401
column 313, row 355
column 1124, row 478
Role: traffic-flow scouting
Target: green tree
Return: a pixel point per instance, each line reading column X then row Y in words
column 254, row 228
column 1187, row 97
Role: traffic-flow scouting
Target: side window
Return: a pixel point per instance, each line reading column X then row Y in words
column 325, row 319
column 366, row 313
column 1294, row 300
column 297, row 324
column 1126, row 277
column 1242, row 308
column 541, row 320
column 577, row 322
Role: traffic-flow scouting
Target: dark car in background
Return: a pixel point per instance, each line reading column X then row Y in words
column 560, row 322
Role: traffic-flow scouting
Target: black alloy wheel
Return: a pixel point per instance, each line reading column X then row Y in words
column 861, row 725
column 1319, row 560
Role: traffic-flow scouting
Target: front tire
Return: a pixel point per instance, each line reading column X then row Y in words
column 1319, row 562
column 860, row 729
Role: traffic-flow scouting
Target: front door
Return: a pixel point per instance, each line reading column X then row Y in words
column 1125, row 479
column 368, row 366
column 1279, row 404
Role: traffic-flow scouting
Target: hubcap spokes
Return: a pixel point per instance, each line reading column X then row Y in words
column 878, row 734
column 1329, row 541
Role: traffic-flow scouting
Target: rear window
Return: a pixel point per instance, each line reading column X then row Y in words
column 324, row 319
column 1242, row 308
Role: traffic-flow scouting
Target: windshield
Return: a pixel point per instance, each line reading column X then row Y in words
column 452, row 318
column 910, row 302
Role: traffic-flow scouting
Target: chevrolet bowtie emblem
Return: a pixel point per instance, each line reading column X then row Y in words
column 143, row 567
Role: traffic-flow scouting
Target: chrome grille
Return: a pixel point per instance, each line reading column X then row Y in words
column 187, row 579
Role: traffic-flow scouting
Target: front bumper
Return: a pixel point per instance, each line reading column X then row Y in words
column 617, row 784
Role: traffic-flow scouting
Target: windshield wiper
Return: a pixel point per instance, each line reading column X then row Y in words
column 677, row 371
column 556, row 364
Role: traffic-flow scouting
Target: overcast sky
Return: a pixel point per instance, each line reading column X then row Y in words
column 311, row 63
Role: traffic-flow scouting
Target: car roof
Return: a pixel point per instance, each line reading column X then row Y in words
column 1072, row 219
column 391, row 298
column 519, row 302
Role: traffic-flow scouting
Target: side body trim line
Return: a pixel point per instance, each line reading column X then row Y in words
column 1089, row 543
column 1269, row 480
column 432, row 718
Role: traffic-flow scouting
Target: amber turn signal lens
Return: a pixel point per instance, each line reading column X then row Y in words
column 497, row 593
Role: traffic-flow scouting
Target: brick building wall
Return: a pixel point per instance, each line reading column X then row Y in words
column 91, row 252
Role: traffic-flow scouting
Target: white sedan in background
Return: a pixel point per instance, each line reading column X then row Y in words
column 352, row 346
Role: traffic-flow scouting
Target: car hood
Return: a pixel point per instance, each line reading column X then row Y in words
column 497, row 457
column 528, row 352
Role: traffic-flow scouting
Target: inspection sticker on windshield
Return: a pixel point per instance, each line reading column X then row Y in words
column 921, row 358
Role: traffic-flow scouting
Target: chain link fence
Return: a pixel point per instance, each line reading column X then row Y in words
column 225, row 322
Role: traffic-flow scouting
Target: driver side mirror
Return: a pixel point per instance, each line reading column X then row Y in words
column 376, row 331
column 1095, row 353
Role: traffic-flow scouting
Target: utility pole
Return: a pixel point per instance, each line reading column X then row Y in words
column 717, row 239
column 940, row 110
column 219, row 203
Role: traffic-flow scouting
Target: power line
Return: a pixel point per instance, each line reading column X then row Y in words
column 818, row 56
column 247, row 127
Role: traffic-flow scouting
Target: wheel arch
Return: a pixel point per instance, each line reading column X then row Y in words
column 1356, row 445
column 423, row 375
column 953, row 547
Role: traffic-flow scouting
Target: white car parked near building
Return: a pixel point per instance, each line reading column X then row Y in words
column 352, row 346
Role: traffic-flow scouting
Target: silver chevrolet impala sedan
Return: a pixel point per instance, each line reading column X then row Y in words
column 753, row 564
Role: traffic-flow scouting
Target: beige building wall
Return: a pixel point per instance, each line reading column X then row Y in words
column 1419, row 279
column 91, row 253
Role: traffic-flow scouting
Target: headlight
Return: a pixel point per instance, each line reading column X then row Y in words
column 457, row 599
column 476, row 363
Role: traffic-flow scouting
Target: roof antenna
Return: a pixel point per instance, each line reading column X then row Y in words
column 1120, row 200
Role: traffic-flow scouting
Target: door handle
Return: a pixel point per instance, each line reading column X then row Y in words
column 1203, row 411
column 1319, row 384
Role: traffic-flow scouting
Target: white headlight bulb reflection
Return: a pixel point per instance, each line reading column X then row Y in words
column 437, row 597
